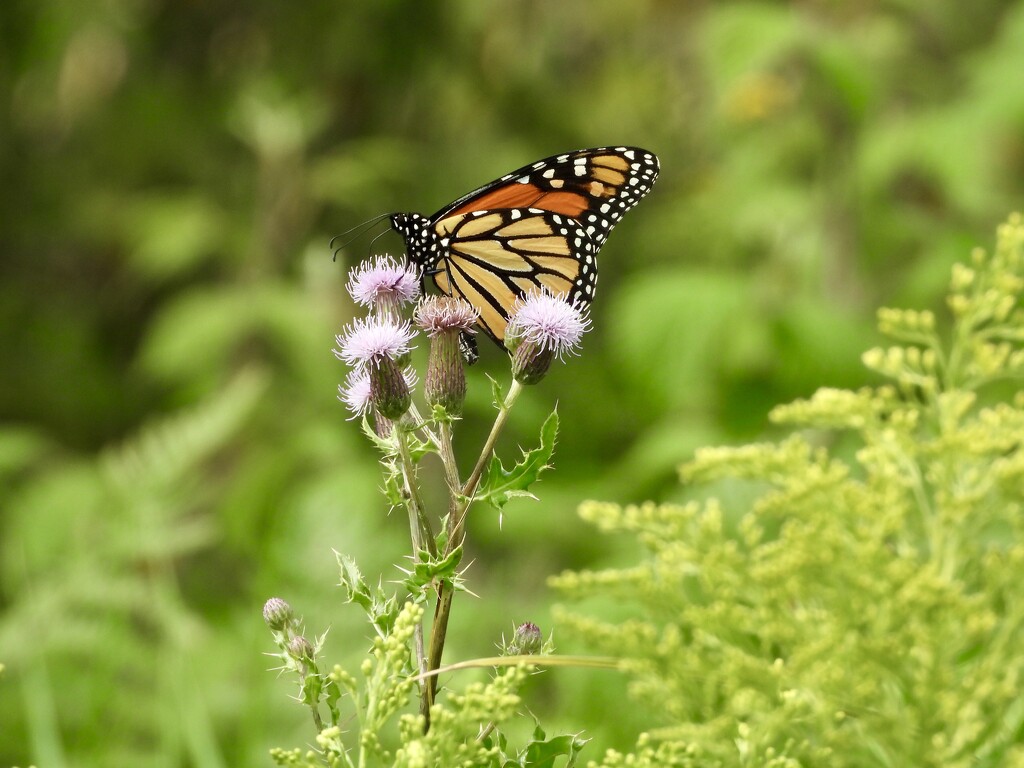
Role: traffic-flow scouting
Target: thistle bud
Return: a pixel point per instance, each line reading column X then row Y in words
column 277, row 613
column 445, row 382
column 445, row 319
column 527, row 640
column 389, row 389
column 530, row 361
column 300, row 649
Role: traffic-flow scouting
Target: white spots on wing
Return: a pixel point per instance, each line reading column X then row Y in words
column 549, row 173
column 523, row 179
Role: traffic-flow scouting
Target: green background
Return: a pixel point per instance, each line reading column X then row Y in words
column 172, row 451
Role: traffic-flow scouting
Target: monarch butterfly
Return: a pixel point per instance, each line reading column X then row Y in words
column 537, row 227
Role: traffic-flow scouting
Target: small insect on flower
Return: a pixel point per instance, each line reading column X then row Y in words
column 384, row 284
column 543, row 326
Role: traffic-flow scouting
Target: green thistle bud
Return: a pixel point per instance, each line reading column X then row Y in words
column 389, row 389
column 277, row 613
column 527, row 640
column 445, row 319
column 530, row 361
column 445, row 382
column 300, row 649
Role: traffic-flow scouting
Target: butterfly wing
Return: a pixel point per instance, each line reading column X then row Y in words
column 594, row 186
column 540, row 226
column 496, row 256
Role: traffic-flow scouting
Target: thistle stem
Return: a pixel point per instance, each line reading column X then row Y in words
column 456, row 523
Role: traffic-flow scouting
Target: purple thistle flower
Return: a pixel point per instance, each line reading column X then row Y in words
column 436, row 314
column 543, row 326
column 355, row 392
column 368, row 341
column 550, row 322
column 384, row 283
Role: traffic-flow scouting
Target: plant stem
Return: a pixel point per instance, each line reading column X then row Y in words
column 419, row 525
column 422, row 538
column 456, row 524
column 451, row 468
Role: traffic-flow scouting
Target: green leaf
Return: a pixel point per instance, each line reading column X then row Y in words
column 427, row 570
column 501, row 485
column 394, row 484
column 497, row 394
column 382, row 609
column 312, row 686
column 332, row 692
column 386, row 445
column 353, row 581
column 543, row 753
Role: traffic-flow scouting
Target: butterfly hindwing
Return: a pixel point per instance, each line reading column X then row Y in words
column 495, row 257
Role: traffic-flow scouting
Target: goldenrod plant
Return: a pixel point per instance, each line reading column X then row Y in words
column 863, row 605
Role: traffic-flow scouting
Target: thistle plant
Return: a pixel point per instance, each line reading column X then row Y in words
column 410, row 625
column 865, row 607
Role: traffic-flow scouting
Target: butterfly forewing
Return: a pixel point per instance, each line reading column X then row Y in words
column 540, row 226
column 595, row 186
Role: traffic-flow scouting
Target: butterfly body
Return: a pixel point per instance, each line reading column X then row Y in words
column 539, row 227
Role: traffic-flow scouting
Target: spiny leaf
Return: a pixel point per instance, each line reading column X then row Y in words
column 500, row 484
column 427, row 570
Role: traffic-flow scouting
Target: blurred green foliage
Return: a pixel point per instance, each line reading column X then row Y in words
column 172, row 452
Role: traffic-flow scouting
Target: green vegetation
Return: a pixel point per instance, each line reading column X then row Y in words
column 172, row 452
column 861, row 611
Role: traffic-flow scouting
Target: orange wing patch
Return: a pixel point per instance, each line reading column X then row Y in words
column 565, row 203
column 509, row 196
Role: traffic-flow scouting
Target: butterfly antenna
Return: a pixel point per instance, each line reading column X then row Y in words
column 362, row 228
column 375, row 239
